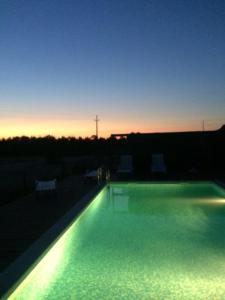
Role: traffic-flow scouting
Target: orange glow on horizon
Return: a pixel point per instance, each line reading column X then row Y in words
column 42, row 127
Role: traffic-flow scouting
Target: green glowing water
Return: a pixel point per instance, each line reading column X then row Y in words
column 138, row 241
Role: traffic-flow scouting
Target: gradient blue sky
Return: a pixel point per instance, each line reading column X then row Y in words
column 141, row 65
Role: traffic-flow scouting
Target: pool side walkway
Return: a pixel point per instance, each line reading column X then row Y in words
column 25, row 220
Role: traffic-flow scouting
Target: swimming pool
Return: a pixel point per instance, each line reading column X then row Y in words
column 138, row 241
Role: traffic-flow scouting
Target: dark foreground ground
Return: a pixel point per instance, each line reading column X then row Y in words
column 26, row 219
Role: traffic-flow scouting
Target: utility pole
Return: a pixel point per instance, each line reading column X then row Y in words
column 96, row 125
column 203, row 126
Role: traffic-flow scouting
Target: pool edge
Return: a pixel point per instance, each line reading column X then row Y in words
column 15, row 273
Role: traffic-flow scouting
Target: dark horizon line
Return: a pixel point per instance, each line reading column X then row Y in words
column 113, row 135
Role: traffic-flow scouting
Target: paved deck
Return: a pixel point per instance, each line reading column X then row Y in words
column 25, row 220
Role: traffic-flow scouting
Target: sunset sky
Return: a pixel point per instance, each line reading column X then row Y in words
column 141, row 65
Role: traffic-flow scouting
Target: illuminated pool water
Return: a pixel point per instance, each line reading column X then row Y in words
column 138, row 241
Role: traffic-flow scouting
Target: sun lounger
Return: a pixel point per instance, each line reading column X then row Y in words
column 42, row 186
column 94, row 174
column 158, row 164
column 45, row 188
column 125, row 165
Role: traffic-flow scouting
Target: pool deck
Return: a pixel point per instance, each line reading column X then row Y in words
column 25, row 220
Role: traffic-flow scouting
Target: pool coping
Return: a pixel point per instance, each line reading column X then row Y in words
column 219, row 183
column 14, row 274
column 166, row 182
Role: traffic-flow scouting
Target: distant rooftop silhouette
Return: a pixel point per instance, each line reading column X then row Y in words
column 222, row 128
column 123, row 135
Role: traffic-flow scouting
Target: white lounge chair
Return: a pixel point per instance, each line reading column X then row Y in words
column 42, row 186
column 158, row 164
column 94, row 174
column 45, row 188
column 125, row 165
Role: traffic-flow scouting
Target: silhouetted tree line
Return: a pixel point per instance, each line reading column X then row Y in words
column 203, row 150
column 52, row 146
